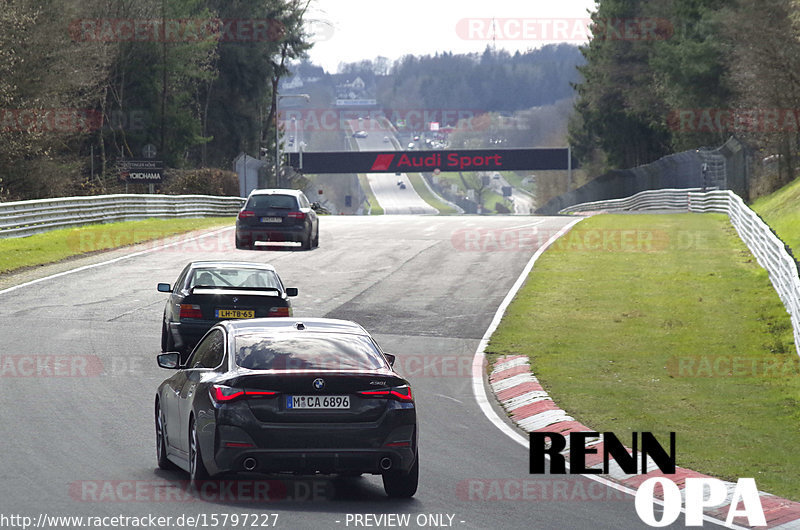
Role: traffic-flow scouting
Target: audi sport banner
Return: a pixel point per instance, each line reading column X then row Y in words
column 427, row 161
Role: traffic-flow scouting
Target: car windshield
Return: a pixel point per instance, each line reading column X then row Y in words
column 308, row 351
column 214, row 277
column 265, row 202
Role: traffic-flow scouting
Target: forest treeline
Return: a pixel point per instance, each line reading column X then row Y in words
column 492, row 81
column 86, row 83
column 520, row 99
column 662, row 77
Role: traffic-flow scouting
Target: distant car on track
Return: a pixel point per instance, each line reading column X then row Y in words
column 277, row 216
column 282, row 395
column 360, row 134
column 209, row 291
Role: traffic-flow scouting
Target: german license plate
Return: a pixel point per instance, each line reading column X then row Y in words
column 235, row 313
column 271, row 219
column 317, row 402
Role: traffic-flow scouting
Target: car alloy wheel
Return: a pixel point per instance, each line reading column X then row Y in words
column 197, row 470
column 161, row 441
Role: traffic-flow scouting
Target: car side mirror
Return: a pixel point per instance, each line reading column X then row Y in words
column 164, row 288
column 291, row 291
column 170, row 361
column 390, row 357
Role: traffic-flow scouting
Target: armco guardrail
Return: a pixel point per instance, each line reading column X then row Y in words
column 24, row 218
column 768, row 249
column 665, row 199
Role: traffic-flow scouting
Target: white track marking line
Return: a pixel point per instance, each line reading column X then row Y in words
column 115, row 260
column 526, row 225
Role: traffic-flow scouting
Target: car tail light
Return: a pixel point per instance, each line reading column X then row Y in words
column 224, row 394
column 190, row 311
column 254, row 394
column 239, row 445
column 296, row 215
column 227, row 394
column 246, row 213
column 280, row 311
column 398, row 393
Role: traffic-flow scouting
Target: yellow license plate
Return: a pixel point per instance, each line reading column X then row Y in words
column 235, row 313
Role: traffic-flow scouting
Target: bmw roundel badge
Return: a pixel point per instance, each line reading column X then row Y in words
column 319, row 383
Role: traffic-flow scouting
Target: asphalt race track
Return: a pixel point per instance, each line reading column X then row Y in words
column 78, row 377
column 390, row 196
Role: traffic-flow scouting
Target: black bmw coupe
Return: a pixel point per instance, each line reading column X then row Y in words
column 280, row 395
column 209, row 291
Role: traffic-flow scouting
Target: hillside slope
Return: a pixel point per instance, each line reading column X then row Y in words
column 781, row 211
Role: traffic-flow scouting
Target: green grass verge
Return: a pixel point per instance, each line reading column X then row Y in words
column 376, row 208
column 426, row 195
column 451, row 178
column 56, row 245
column 780, row 211
column 490, row 198
column 516, row 180
column 666, row 323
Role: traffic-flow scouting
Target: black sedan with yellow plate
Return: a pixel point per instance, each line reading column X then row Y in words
column 209, row 291
column 286, row 396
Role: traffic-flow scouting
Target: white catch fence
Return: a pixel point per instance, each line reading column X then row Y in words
column 770, row 251
column 23, row 218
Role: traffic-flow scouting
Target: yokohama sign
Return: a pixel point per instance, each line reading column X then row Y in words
column 426, row 161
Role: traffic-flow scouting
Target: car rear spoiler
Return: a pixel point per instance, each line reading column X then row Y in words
column 241, row 291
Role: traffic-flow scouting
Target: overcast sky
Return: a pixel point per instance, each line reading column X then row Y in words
column 353, row 30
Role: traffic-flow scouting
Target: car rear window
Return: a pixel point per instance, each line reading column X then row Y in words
column 308, row 351
column 234, row 278
column 266, row 202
